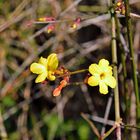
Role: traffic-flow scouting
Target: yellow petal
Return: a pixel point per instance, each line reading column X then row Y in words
column 94, row 80
column 43, row 61
column 52, row 62
column 108, row 70
column 94, row 69
column 50, row 76
column 103, row 88
column 104, row 65
column 103, row 62
column 110, row 81
column 37, row 68
column 41, row 77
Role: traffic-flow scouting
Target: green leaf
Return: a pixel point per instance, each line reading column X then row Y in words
column 83, row 132
column 8, row 101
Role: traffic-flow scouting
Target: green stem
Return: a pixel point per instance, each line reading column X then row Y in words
column 130, row 43
column 78, row 71
column 130, row 126
column 123, row 62
column 72, row 73
column 114, row 60
column 108, row 132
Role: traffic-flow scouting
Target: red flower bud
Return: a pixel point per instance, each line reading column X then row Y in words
column 50, row 28
column 76, row 23
column 57, row 91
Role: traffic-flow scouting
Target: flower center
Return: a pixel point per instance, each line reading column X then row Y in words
column 102, row 76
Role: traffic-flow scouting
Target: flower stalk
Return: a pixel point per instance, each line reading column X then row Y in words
column 73, row 72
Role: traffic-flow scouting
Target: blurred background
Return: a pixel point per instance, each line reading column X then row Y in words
column 29, row 111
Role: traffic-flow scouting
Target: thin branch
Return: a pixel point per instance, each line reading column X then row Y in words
column 94, row 129
column 132, row 59
column 107, row 111
column 114, row 60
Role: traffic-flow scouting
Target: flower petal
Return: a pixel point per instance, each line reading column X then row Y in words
column 52, row 62
column 94, row 69
column 104, row 63
column 110, row 81
column 37, row 68
column 41, row 77
column 94, row 80
column 103, row 88
column 43, row 61
column 51, row 76
column 108, row 70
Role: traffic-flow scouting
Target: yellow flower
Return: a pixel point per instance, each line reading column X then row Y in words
column 102, row 76
column 45, row 68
